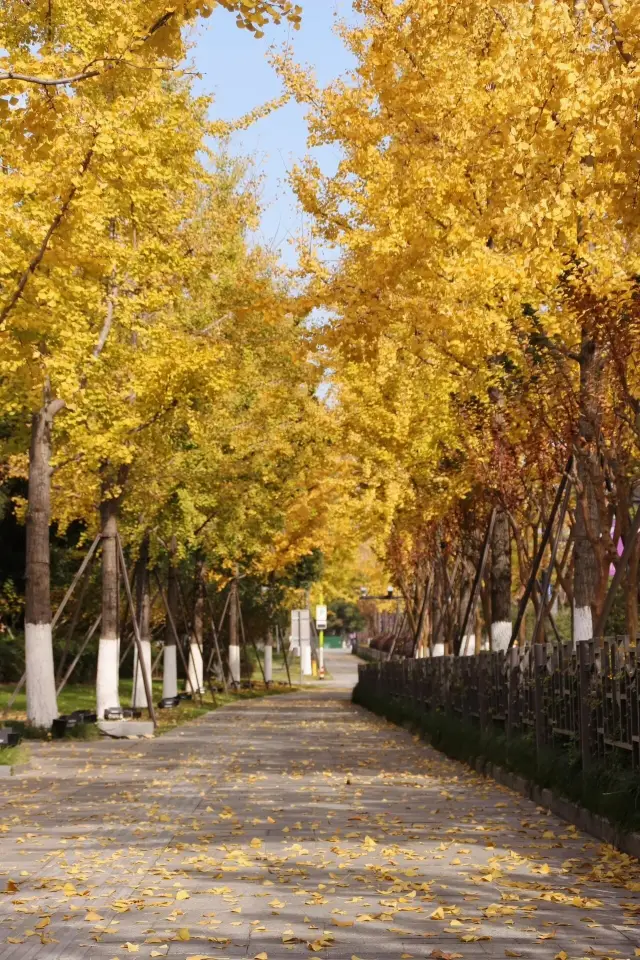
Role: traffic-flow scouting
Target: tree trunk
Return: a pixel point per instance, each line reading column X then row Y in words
column 587, row 523
column 107, row 683
column 170, row 656
column 42, row 707
column 268, row 657
column 438, row 645
column 468, row 643
column 485, row 607
column 143, row 614
column 196, row 645
column 234, row 646
column 501, row 583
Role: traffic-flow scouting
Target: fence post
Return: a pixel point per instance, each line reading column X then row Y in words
column 539, row 664
column 512, row 663
column 482, row 690
column 584, row 684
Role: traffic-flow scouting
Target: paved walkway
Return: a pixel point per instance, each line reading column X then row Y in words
column 294, row 827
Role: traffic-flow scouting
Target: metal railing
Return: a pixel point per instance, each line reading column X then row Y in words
column 587, row 698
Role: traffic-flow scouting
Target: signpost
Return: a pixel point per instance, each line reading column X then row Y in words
column 321, row 626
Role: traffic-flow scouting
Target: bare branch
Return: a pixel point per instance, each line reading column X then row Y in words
column 617, row 36
column 106, row 327
column 38, row 257
column 48, row 81
column 87, row 73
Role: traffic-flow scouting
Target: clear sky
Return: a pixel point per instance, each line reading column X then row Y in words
column 234, row 67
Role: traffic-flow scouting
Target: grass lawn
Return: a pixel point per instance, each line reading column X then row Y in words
column 83, row 697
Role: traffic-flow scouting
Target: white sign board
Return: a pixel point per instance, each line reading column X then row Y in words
column 321, row 617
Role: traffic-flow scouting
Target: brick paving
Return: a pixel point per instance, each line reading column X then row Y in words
column 293, row 827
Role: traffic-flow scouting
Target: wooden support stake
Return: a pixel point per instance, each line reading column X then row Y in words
column 189, row 626
column 83, row 567
column 57, row 615
column 621, row 569
column 421, row 616
column 90, row 632
column 215, row 637
column 284, row 654
column 148, row 689
column 546, row 583
column 253, row 643
column 540, row 554
column 74, row 620
column 475, row 590
column 175, row 634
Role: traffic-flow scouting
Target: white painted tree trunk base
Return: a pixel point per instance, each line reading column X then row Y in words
column 234, row 663
column 139, row 695
column 500, row 635
column 107, row 680
column 305, row 648
column 438, row 650
column 196, row 670
column 42, row 706
column 170, row 672
column 268, row 664
column 582, row 625
column 468, row 645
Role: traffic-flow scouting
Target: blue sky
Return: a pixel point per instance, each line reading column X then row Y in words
column 234, row 67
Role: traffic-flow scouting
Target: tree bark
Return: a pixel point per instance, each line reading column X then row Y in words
column 437, row 618
column 234, row 646
column 143, row 615
column 268, row 657
column 42, row 707
column 170, row 658
column 588, row 522
column 468, row 642
column 501, row 583
column 107, row 682
column 196, row 645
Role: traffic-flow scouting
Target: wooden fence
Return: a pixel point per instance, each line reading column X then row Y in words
column 588, row 699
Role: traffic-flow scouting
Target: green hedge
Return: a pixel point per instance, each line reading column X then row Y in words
column 611, row 791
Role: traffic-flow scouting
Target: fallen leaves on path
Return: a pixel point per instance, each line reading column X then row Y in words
column 260, row 835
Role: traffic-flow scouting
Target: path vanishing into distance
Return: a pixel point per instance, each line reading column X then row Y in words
column 292, row 827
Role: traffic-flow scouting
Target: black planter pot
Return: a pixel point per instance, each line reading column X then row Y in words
column 84, row 716
column 113, row 713
column 169, row 702
column 9, row 738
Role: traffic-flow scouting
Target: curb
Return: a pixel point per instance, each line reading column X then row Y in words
column 591, row 823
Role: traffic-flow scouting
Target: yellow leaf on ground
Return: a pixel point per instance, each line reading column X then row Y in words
column 131, row 947
column 182, row 895
column 261, row 956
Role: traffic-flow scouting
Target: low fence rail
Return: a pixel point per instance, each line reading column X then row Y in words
column 588, row 698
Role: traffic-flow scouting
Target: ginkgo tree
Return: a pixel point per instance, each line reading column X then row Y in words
column 485, row 217
column 89, row 93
